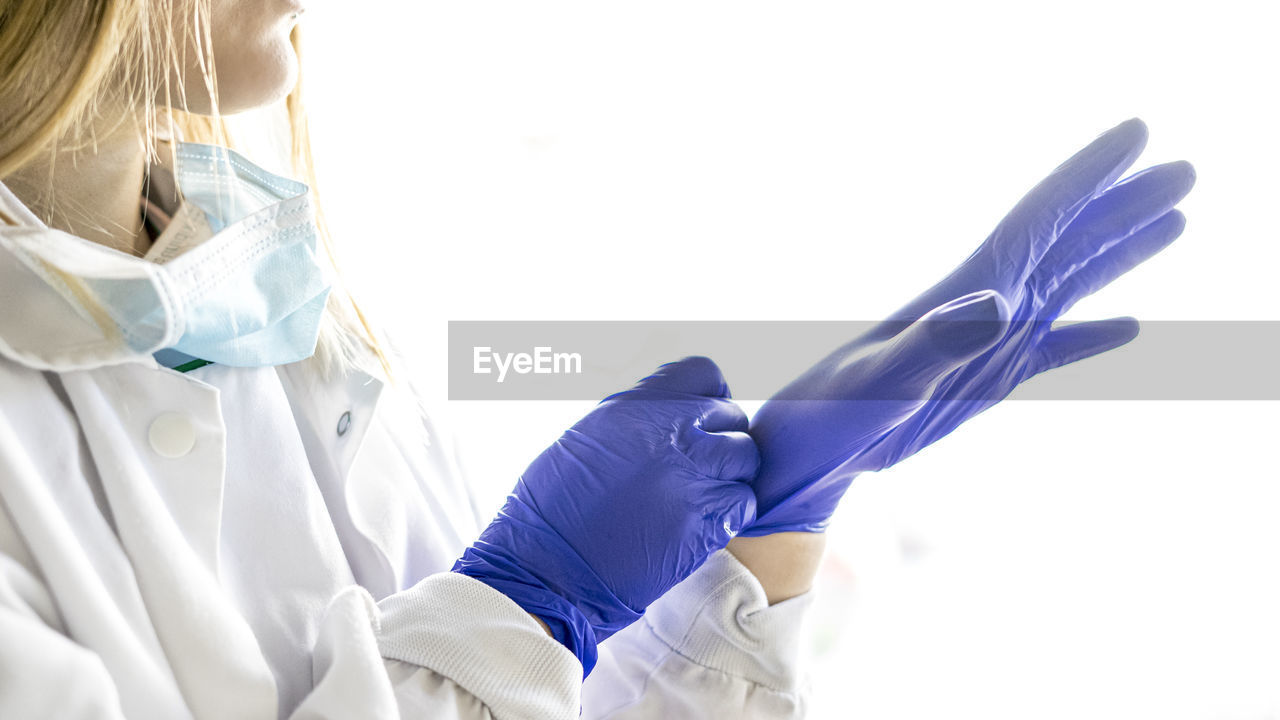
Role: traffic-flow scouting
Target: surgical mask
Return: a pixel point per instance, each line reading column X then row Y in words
column 234, row 279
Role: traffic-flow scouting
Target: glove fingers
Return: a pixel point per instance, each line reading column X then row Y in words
column 722, row 455
column 722, row 416
column 1082, row 340
column 1115, row 261
column 1028, row 231
column 1119, row 212
column 693, row 375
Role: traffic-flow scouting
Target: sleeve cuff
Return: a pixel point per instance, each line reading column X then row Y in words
column 474, row 635
column 719, row 618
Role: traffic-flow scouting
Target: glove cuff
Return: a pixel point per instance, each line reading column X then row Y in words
column 567, row 624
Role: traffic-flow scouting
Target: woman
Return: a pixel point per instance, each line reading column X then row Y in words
column 216, row 500
column 202, row 501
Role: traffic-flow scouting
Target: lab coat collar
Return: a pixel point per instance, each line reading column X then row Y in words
column 40, row 327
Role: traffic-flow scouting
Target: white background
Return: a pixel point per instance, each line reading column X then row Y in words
column 822, row 160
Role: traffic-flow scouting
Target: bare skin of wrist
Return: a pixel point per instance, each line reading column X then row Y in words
column 541, row 624
column 784, row 563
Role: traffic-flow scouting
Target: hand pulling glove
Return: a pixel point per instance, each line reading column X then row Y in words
column 969, row 340
column 627, row 503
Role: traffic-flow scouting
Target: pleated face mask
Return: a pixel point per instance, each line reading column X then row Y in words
column 235, row 278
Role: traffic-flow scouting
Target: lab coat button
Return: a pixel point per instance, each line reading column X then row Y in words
column 344, row 422
column 172, row 435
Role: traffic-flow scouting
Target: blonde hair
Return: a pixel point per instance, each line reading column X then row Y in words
column 67, row 65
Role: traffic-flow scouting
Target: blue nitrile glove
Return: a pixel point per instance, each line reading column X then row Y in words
column 627, row 503
column 968, row 341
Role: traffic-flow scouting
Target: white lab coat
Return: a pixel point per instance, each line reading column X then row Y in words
column 257, row 543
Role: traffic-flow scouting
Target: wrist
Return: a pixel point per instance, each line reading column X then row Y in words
column 542, row 624
column 785, row 563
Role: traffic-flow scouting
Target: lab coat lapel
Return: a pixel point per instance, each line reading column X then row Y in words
column 333, row 417
column 167, row 512
column 333, row 420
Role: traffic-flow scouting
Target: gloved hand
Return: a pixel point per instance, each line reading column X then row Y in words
column 627, row 503
column 968, row 341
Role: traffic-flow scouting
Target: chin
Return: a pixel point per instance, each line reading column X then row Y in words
column 249, row 77
column 258, row 79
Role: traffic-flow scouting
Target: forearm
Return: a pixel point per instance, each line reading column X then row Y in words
column 785, row 563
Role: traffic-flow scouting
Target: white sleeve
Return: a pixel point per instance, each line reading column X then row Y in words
column 711, row 647
column 450, row 648
column 475, row 648
column 33, row 652
column 31, row 655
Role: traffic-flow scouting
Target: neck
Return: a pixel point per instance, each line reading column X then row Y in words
column 91, row 191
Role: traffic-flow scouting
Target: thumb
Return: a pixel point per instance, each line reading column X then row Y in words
column 1082, row 340
column 945, row 338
